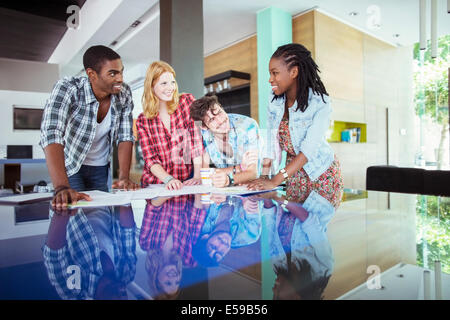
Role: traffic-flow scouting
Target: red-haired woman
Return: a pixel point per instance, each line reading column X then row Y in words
column 171, row 145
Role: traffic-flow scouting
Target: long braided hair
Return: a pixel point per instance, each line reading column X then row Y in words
column 295, row 54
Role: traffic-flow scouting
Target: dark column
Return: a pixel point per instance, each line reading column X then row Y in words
column 181, row 42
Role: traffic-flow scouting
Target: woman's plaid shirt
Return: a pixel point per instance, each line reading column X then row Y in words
column 178, row 216
column 174, row 150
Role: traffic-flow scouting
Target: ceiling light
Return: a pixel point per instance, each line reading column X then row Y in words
column 353, row 14
column 151, row 15
column 135, row 24
column 396, row 35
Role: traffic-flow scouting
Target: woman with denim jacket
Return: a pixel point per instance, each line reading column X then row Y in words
column 299, row 116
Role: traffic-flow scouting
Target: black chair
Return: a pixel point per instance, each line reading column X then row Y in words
column 408, row 180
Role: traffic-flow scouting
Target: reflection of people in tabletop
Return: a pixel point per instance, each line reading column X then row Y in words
column 299, row 248
column 169, row 227
column 100, row 243
column 231, row 222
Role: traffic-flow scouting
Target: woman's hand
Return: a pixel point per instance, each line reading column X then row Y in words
column 174, row 184
column 261, row 184
column 193, row 182
column 220, row 179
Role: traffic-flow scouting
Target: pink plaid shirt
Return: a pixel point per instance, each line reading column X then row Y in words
column 177, row 216
column 173, row 150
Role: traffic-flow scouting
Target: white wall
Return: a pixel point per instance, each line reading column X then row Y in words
column 27, row 84
column 137, row 101
column 24, row 99
column 22, row 75
column 135, row 77
column 30, row 173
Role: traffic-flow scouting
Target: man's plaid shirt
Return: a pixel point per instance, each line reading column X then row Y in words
column 83, row 250
column 70, row 119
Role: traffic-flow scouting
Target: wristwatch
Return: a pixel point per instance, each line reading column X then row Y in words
column 284, row 173
column 231, row 179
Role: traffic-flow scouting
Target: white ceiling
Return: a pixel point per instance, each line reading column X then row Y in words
column 226, row 22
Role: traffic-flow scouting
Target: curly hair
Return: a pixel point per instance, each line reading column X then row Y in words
column 200, row 107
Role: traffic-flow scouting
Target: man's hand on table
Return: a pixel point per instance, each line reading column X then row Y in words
column 219, row 179
column 66, row 196
column 125, row 184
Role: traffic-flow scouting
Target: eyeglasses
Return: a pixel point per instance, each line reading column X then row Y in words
column 214, row 119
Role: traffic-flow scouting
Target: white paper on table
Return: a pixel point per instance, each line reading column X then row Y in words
column 238, row 190
column 102, row 199
column 196, row 189
column 97, row 194
column 103, row 202
column 140, row 194
column 163, row 192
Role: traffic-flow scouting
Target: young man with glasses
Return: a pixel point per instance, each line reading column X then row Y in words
column 232, row 142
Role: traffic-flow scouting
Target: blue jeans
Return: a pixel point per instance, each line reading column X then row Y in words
column 90, row 178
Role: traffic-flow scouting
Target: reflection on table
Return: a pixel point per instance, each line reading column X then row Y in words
column 263, row 246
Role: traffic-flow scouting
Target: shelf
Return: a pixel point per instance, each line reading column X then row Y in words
column 345, row 142
column 236, row 97
column 227, row 75
column 339, row 126
column 235, row 106
column 234, row 89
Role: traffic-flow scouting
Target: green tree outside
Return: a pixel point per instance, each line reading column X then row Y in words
column 433, row 231
column 431, row 99
column 431, row 88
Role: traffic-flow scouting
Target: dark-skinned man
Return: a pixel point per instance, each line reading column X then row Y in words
column 83, row 118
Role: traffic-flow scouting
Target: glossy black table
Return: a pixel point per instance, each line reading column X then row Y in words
column 260, row 247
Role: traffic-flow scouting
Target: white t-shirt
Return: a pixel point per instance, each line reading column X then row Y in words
column 100, row 220
column 98, row 154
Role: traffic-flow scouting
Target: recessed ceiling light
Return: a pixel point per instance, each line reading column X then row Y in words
column 396, row 35
column 353, row 14
column 135, row 24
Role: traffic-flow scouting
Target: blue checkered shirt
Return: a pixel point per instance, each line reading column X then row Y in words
column 70, row 119
column 83, row 250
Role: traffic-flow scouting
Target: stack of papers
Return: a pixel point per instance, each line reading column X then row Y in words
column 237, row 190
column 101, row 199
column 120, row 197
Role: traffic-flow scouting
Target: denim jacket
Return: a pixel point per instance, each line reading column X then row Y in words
column 309, row 240
column 307, row 130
